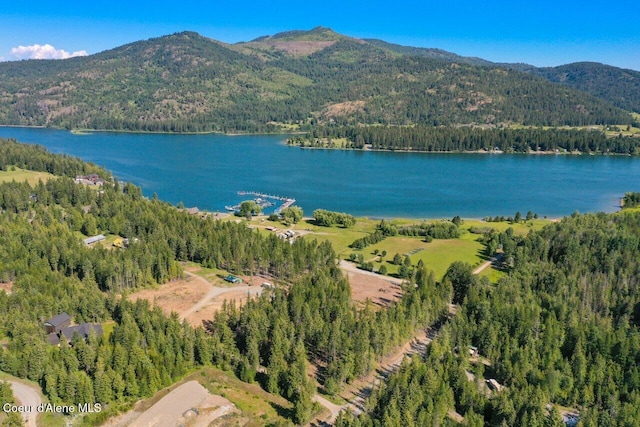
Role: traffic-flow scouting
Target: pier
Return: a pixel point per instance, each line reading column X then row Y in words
column 261, row 199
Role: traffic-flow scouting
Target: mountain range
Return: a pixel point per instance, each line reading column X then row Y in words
column 294, row 80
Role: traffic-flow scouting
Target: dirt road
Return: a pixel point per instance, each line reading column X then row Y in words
column 349, row 267
column 358, row 392
column 27, row 395
column 483, row 266
column 215, row 292
column 332, row 407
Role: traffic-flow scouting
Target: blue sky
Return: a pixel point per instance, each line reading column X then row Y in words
column 542, row 33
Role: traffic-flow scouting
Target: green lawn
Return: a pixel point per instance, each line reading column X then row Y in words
column 21, row 175
column 437, row 255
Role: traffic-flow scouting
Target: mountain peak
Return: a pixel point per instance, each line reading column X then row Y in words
column 315, row 34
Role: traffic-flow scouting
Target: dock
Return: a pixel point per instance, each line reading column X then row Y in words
column 262, row 200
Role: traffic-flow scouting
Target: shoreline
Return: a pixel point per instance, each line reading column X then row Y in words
column 86, row 131
column 530, row 152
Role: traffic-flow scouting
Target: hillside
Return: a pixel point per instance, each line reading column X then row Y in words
column 186, row 82
column 619, row 86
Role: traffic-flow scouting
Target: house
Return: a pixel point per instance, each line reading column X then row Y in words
column 67, row 333
column 57, row 323
column 91, row 240
column 92, row 179
column 233, row 279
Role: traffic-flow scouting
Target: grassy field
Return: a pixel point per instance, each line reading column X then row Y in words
column 261, row 408
column 21, row 175
column 436, row 255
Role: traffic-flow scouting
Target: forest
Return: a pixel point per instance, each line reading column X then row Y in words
column 449, row 138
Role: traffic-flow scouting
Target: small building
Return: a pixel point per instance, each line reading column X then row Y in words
column 57, row 323
column 233, row 279
column 91, row 240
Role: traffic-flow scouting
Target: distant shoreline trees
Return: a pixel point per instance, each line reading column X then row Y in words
column 470, row 139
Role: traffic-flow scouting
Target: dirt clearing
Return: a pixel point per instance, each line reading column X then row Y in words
column 195, row 298
column 209, row 308
column 7, row 287
column 178, row 295
column 381, row 290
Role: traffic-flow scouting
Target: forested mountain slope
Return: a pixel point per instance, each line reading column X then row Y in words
column 619, row 86
column 186, row 82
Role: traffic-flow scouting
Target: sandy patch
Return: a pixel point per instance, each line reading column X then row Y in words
column 7, row 287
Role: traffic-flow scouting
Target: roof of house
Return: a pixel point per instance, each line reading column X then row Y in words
column 59, row 319
column 93, row 239
column 83, row 330
column 54, row 338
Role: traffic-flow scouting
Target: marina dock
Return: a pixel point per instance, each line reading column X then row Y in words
column 263, row 200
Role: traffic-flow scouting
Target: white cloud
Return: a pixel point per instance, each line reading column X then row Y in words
column 46, row 51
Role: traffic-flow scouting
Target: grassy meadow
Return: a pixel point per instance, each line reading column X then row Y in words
column 437, row 255
column 22, row 175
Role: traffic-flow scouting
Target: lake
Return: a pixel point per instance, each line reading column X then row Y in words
column 207, row 171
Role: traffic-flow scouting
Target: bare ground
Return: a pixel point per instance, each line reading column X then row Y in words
column 7, row 287
column 381, row 290
column 301, row 47
column 188, row 404
column 195, row 298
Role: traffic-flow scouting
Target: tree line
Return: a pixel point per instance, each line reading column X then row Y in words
column 450, row 138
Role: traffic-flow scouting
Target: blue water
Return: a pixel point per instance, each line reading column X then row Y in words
column 207, row 171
